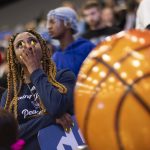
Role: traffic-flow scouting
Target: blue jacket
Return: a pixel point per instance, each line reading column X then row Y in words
column 73, row 56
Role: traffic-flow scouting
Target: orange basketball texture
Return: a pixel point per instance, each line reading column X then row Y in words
column 112, row 94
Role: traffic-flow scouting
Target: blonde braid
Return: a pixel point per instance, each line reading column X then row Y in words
column 52, row 72
column 9, row 83
column 12, row 94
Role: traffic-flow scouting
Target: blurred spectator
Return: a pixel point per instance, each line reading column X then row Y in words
column 91, row 14
column 19, row 28
column 31, row 24
column 9, row 132
column 97, row 31
column 108, row 17
column 138, row 1
column 109, row 3
column 143, row 15
column 43, row 31
column 121, row 13
column 69, row 4
column 131, row 14
column 62, row 25
column 81, row 23
column 3, row 68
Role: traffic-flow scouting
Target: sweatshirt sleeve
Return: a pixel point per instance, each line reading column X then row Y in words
column 31, row 128
column 55, row 103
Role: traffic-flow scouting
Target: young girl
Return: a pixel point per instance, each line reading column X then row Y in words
column 37, row 94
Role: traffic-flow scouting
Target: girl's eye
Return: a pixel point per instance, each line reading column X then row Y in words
column 20, row 45
column 33, row 42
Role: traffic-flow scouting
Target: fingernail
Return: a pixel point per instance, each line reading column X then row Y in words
column 66, row 130
column 70, row 130
column 20, row 57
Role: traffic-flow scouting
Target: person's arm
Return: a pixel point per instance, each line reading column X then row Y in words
column 31, row 128
column 56, row 103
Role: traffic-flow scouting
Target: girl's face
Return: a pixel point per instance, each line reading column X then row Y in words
column 26, row 40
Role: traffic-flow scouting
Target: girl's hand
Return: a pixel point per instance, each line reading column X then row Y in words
column 31, row 59
column 66, row 122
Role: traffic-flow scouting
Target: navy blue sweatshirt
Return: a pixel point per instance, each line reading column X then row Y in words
column 56, row 103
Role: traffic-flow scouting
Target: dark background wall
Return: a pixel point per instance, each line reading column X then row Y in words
column 22, row 11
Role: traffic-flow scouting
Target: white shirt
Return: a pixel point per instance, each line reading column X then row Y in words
column 143, row 14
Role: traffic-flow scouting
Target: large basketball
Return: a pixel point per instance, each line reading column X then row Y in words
column 112, row 94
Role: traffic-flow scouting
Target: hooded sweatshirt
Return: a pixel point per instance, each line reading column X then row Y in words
column 73, row 56
column 55, row 103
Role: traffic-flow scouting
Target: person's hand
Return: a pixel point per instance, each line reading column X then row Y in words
column 31, row 59
column 66, row 122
